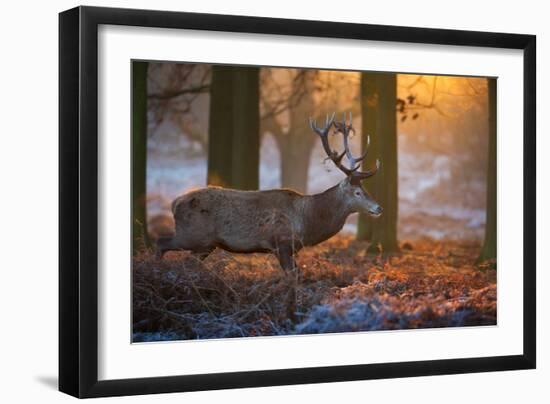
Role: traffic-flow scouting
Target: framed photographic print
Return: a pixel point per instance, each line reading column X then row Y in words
column 251, row 201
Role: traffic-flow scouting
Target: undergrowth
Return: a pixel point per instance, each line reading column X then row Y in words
column 338, row 288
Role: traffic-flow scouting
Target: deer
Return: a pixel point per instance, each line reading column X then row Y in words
column 278, row 221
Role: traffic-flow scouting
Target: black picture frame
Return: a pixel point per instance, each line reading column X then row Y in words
column 78, row 200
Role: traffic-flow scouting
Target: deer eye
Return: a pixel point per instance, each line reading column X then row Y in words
column 357, row 193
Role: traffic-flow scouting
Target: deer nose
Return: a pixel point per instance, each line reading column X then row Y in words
column 378, row 210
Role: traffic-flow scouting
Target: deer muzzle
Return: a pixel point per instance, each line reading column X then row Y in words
column 376, row 212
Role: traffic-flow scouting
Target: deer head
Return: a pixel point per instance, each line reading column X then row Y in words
column 357, row 197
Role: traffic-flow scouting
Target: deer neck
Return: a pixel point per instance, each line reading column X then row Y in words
column 325, row 215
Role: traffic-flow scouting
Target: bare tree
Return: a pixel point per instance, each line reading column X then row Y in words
column 234, row 132
column 173, row 90
column 489, row 250
column 140, row 237
column 294, row 142
column 287, row 96
column 379, row 95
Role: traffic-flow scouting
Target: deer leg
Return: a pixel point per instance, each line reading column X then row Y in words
column 285, row 254
column 165, row 244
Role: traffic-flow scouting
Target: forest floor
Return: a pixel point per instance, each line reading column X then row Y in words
column 339, row 288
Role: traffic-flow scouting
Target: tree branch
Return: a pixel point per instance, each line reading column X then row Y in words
column 174, row 94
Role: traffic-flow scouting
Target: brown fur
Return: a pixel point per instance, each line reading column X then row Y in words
column 277, row 221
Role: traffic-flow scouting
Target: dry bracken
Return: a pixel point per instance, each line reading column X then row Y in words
column 339, row 288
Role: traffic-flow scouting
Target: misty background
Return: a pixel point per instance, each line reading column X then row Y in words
column 442, row 132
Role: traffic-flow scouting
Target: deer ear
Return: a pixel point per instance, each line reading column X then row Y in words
column 345, row 182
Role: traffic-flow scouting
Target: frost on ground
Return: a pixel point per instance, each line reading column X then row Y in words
column 339, row 288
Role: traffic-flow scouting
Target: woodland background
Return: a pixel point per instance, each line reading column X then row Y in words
column 429, row 261
column 432, row 135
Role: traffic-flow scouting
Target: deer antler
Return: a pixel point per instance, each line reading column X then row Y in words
column 336, row 158
column 323, row 134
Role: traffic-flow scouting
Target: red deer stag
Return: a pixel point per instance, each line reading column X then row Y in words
column 278, row 221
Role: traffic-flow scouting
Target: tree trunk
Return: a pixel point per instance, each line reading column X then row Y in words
column 489, row 250
column 369, row 113
column 140, row 237
column 384, row 183
column 246, row 124
column 294, row 164
column 234, row 142
column 295, row 145
column 220, row 126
